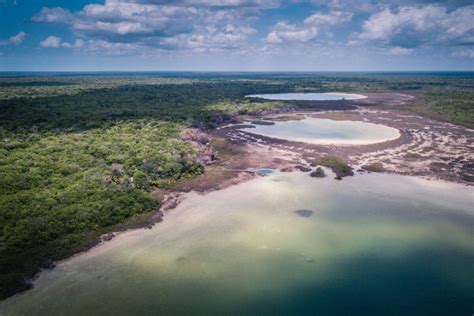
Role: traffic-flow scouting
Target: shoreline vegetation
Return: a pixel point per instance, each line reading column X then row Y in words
column 84, row 156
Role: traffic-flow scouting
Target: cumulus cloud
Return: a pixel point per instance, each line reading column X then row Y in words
column 284, row 32
column 369, row 6
column 308, row 30
column 15, row 39
column 123, row 19
column 77, row 44
column 54, row 15
column 400, row 51
column 217, row 3
column 51, row 42
column 413, row 26
column 397, row 27
column 229, row 37
column 162, row 24
column 464, row 52
column 57, row 42
column 333, row 18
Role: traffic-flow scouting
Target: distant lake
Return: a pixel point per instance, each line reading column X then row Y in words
column 310, row 96
column 325, row 131
column 372, row 244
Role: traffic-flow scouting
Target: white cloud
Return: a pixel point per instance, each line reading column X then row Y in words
column 227, row 37
column 400, row 51
column 230, row 4
column 51, row 42
column 198, row 25
column 54, row 15
column 464, row 52
column 15, row 39
column 18, row 38
column 309, row 29
column 333, row 18
column 347, row 5
column 57, row 42
column 284, row 32
column 412, row 26
column 77, row 44
column 154, row 26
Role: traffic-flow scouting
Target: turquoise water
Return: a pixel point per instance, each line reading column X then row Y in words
column 264, row 171
column 324, row 131
column 283, row 244
column 308, row 96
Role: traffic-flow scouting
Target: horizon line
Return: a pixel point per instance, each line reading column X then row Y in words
column 221, row 71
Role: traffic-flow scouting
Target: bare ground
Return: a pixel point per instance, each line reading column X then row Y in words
column 426, row 147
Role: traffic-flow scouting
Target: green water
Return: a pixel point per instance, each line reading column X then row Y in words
column 374, row 245
column 324, row 131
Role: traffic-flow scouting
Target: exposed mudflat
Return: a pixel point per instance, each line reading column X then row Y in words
column 425, row 147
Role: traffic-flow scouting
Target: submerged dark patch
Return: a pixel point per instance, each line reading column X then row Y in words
column 304, row 213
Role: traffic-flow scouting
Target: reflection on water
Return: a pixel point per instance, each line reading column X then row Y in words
column 373, row 245
column 324, row 131
column 309, row 96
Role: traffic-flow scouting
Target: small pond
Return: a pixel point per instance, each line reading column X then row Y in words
column 264, row 172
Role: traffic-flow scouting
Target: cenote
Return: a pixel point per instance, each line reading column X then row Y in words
column 309, row 96
column 325, row 131
column 375, row 244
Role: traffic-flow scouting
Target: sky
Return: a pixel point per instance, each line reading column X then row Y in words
column 236, row 35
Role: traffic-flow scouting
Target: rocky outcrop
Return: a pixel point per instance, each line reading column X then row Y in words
column 318, row 173
column 302, row 168
column 48, row 264
column 374, row 167
column 107, row 237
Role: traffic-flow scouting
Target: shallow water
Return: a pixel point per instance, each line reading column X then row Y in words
column 264, row 172
column 324, row 131
column 308, row 96
column 374, row 245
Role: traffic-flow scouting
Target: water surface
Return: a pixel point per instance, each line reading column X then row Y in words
column 374, row 245
column 264, row 172
column 325, row 131
column 309, row 96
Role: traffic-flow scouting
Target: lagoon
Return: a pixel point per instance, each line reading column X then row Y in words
column 375, row 244
column 308, row 96
column 327, row 132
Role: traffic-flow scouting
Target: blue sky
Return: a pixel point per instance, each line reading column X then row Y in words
column 245, row 35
